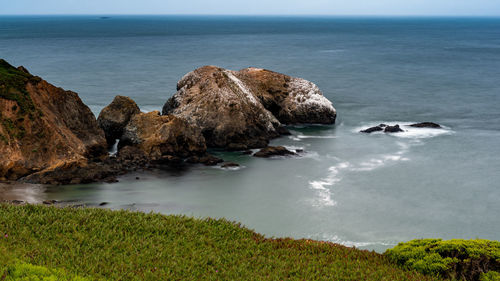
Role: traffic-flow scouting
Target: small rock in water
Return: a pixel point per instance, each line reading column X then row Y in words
column 426, row 125
column 210, row 160
column 299, row 150
column 137, row 178
column 393, row 129
column 373, row 129
column 103, row 203
column 230, row 165
column 49, row 202
column 247, row 152
column 269, row 151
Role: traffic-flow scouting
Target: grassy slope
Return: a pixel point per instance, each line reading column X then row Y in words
column 121, row 245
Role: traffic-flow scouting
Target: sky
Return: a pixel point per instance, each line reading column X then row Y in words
column 255, row 7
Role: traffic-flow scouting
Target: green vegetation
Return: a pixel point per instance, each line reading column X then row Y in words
column 457, row 258
column 27, row 272
column 13, row 87
column 15, row 130
column 490, row 276
column 120, row 245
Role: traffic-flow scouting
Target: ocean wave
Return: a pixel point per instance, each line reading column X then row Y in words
column 237, row 168
column 321, row 186
column 336, row 239
column 300, row 137
column 316, row 137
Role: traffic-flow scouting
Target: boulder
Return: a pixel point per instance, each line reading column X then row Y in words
column 221, row 105
column 291, row 100
column 163, row 138
column 426, row 125
column 114, row 117
column 43, row 127
column 270, row 151
column 393, row 129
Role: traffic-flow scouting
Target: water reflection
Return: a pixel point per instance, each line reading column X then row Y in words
column 31, row 193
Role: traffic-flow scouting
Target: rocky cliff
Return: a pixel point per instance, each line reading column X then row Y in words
column 43, row 127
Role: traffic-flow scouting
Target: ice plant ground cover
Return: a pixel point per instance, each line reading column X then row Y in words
column 99, row 244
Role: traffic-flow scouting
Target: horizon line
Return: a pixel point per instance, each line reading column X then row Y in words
column 268, row 15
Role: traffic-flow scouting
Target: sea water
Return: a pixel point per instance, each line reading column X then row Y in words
column 365, row 190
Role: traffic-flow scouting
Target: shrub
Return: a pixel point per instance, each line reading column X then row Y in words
column 457, row 258
column 27, row 272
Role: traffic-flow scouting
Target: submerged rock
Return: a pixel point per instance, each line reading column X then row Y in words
column 237, row 110
column 230, row 165
column 383, row 127
column 114, row 117
column 426, row 125
column 270, row 151
column 372, row 129
column 43, row 127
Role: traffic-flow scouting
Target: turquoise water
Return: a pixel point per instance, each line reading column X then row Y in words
column 370, row 191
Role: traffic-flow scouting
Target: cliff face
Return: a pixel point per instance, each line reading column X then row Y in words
column 42, row 126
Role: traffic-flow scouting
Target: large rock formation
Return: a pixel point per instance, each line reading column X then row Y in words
column 219, row 103
column 163, row 138
column 43, row 127
column 241, row 110
column 114, row 117
column 292, row 100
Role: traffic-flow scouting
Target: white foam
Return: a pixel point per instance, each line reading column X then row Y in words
column 237, row 168
column 114, row 148
column 316, row 137
column 321, row 186
column 381, row 161
column 293, row 147
column 336, row 239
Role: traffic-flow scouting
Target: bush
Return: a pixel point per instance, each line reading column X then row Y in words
column 490, row 276
column 27, row 272
column 457, row 258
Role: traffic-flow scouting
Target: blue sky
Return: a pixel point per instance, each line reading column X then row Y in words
column 255, row 7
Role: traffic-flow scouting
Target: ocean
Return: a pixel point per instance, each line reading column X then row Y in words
column 365, row 190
